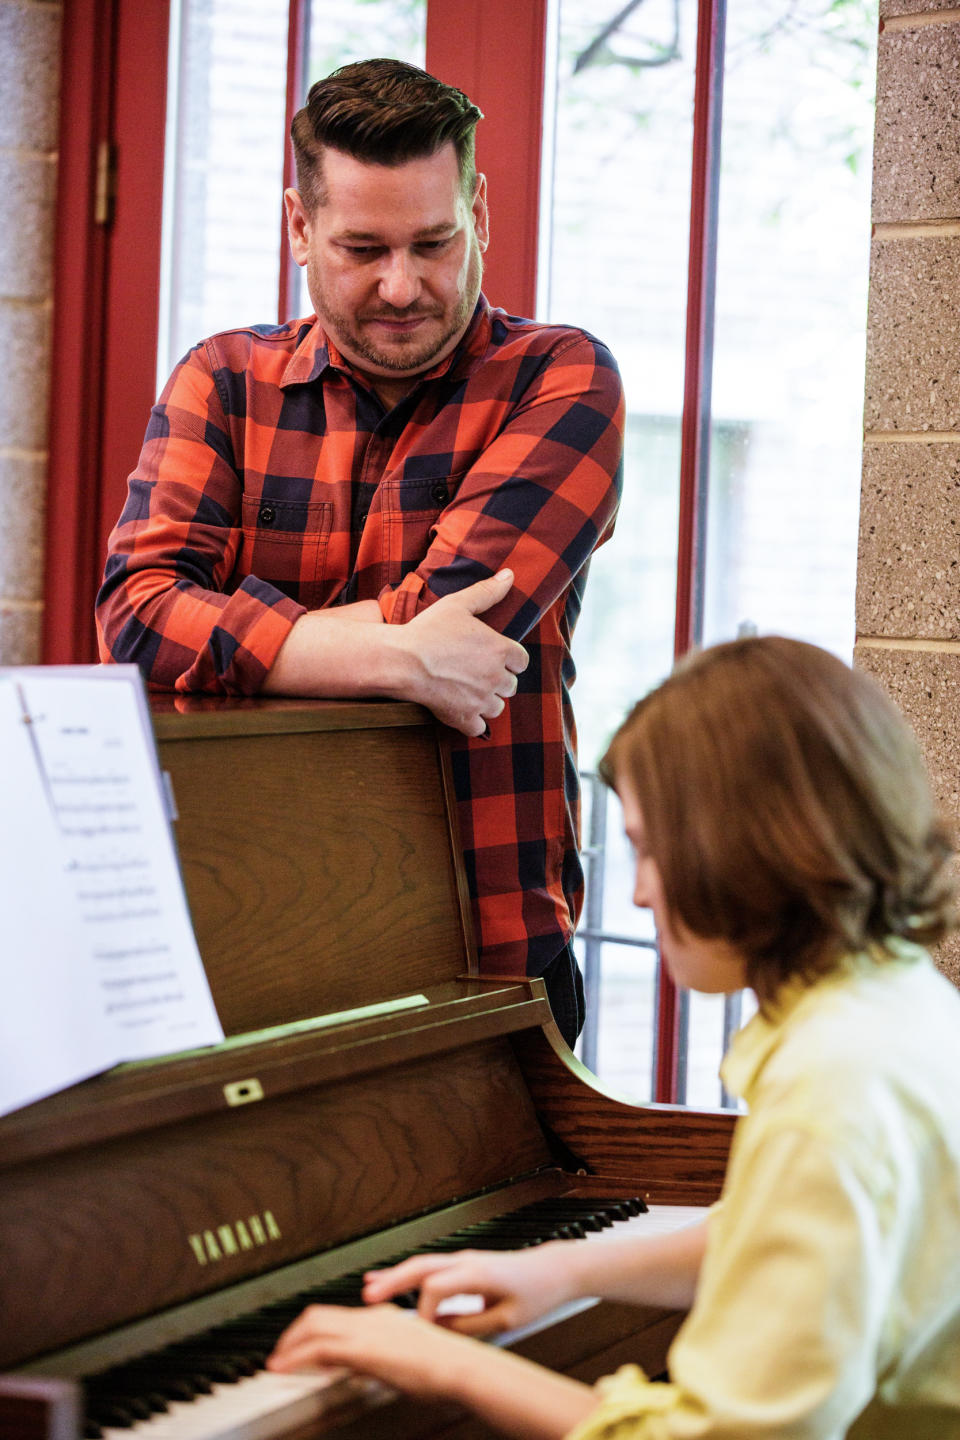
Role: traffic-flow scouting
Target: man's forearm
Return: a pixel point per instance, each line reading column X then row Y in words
column 446, row 658
column 339, row 653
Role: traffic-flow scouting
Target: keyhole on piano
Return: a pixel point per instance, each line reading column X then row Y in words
column 241, row 1092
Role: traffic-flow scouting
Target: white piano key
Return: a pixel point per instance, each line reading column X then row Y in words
column 256, row 1408
column 266, row 1405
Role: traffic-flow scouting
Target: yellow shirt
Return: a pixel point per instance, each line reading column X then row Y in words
column 828, row 1303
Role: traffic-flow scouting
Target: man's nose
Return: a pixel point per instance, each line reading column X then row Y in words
column 399, row 280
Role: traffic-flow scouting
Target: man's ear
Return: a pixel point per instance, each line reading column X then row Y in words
column 481, row 218
column 298, row 226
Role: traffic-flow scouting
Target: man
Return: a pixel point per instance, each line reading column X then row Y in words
column 328, row 507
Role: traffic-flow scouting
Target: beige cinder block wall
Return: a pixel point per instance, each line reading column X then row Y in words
column 908, row 581
column 29, row 85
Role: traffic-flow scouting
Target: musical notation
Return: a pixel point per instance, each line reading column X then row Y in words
column 89, row 867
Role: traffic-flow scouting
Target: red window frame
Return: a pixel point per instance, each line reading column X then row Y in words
column 107, row 275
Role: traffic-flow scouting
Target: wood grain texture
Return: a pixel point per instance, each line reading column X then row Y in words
column 174, row 1089
column 89, row 1242
column 680, row 1155
column 319, row 868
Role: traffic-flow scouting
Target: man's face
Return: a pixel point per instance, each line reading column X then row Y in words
column 392, row 258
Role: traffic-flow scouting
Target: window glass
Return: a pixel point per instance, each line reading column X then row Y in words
column 224, row 172
column 341, row 33
column 617, row 262
column 223, row 194
column 365, row 29
column 783, row 482
column 791, row 315
column 615, row 253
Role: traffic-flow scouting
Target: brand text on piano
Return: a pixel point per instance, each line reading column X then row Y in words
column 230, row 1239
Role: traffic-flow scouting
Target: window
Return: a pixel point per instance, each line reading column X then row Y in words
column 777, row 520
column 225, row 148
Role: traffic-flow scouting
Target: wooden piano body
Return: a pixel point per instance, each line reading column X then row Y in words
column 318, row 847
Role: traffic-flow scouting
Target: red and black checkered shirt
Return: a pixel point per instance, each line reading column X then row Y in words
column 272, row 481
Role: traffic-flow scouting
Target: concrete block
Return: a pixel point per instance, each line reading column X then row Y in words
column 25, row 346
column 913, row 341
column 916, row 157
column 925, row 684
column 28, row 186
column 908, row 572
column 29, row 74
column 22, row 506
column 889, row 8
column 20, row 633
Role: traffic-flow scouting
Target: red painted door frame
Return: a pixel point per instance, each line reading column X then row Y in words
column 107, row 274
column 494, row 51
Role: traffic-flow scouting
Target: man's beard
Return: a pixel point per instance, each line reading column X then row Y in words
column 411, row 354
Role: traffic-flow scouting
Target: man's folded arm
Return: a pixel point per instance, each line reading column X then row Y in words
column 539, row 499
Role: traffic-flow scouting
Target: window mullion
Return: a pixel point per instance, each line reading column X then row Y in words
column 695, row 425
column 298, row 49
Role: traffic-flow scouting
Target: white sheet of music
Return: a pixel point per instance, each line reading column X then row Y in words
column 100, row 963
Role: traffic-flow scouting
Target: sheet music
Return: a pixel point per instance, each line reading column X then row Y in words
column 101, row 962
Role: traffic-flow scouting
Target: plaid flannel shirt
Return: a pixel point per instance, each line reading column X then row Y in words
column 272, row 481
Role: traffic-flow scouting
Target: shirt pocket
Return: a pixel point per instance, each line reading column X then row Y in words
column 285, row 543
column 410, row 510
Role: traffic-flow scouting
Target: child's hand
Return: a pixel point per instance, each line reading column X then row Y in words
column 514, row 1286
column 390, row 1344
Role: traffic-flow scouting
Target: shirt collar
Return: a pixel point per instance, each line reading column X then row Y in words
column 752, row 1046
column 317, row 353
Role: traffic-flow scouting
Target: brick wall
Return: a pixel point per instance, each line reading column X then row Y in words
column 29, row 84
column 908, row 582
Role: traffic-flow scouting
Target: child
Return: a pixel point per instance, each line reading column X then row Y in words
column 785, row 839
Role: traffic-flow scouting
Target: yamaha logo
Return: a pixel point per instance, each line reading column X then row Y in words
column 212, row 1245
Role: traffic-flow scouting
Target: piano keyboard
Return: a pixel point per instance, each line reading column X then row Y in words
column 213, row 1386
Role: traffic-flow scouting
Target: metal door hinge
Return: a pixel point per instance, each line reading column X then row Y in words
column 105, row 190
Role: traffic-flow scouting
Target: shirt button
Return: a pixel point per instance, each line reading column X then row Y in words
column 362, row 519
column 267, row 515
column 438, row 494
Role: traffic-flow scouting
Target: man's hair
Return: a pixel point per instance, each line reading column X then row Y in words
column 383, row 112
column 787, row 809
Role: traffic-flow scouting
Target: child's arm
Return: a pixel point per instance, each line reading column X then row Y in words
column 513, row 1395
column 519, row 1286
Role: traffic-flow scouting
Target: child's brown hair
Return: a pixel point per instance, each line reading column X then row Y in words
column 786, row 806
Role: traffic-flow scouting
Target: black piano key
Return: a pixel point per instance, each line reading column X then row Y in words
column 238, row 1347
column 113, row 1413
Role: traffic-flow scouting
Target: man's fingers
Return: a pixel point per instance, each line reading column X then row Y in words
column 517, row 659
column 485, row 593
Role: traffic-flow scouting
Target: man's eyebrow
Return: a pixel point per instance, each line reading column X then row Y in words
column 372, row 237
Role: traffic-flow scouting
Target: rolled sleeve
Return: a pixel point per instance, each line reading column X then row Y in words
column 168, row 601
column 540, row 499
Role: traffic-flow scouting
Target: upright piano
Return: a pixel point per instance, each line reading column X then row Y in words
column 373, row 1096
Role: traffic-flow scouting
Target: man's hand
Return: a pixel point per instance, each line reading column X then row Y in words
column 516, row 1287
column 445, row 658
column 461, row 669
